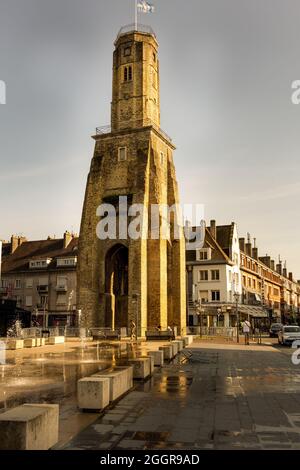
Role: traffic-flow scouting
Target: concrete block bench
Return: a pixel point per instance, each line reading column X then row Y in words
column 151, row 358
column 141, row 367
column 175, row 347
column 56, row 340
column 180, row 344
column 93, row 393
column 188, row 339
column 29, row 343
column 29, row 427
column 120, row 380
column 40, row 342
column 158, row 357
column 14, row 343
column 168, row 352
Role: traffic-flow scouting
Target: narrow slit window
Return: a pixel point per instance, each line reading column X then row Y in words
column 122, row 154
column 125, row 74
column 130, row 73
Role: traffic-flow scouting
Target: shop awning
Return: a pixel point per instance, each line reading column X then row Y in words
column 253, row 311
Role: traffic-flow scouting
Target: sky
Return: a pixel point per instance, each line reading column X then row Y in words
column 226, row 69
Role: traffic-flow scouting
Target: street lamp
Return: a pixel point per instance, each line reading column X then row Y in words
column 236, row 296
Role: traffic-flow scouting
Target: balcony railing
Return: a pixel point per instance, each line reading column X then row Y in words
column 140, row 28
column 107, row 129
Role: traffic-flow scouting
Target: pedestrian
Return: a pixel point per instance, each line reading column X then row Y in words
column 133, row 330
column 246, row 330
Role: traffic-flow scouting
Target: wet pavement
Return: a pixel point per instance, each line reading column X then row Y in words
column 216, row 396
column 49, row 374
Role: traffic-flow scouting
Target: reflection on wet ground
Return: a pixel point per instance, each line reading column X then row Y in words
column 50, row 374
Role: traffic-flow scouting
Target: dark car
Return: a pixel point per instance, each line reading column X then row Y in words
column 274, row 329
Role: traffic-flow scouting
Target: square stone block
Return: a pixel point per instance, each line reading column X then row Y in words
column 93, row 393
column 12, row 343
column 56, row 340
column 180, row 344
column 158, row 357
column 120, row 380
column 29, row 343
column 29, row 427
column 168, row 352
column 175, row 347
column 151, row 363
column 141, row 367
column 188, row 339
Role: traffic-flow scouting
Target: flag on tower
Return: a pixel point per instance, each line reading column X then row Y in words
column 145, row 7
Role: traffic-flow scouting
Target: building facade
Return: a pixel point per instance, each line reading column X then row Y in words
column 231, row 282
column 41, row 277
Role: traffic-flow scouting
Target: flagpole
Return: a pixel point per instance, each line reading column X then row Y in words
column 136, row 15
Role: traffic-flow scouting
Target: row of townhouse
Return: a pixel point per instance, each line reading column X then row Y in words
column 41, row 277
column 228, row 282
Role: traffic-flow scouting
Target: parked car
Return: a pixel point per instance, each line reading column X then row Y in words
column 288, row 334
column 274, row 329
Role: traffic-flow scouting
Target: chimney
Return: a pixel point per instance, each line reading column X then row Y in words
column 284, row 272
column 249, row 245
column 266, row 260
column 273, row 264
column 213, row 229
column 15, row 242
column 291, row 276
column 242, row 244
column 279, row 268
column 67, row 238
column 255, row 252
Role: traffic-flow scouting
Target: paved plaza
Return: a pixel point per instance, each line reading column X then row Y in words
column 218, row 396
column 214, row 395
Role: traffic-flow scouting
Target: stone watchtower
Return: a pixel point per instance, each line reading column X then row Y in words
column 123, row 280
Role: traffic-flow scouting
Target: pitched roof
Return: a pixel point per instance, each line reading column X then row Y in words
column 41, row 249
column 218, row 255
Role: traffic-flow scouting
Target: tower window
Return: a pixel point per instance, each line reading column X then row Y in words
column 128, row 73
column 122, row 154
column 162, row 159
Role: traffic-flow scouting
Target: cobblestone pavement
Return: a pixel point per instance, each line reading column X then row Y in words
column 215, row 397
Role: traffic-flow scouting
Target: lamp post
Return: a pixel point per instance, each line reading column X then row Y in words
column 236, row 298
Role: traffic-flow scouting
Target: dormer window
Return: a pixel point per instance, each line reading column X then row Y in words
column 39, row 263
column 204, row 254
column 70, row 261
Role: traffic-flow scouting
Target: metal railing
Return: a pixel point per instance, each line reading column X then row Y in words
column 140, row 28
column 102, row 130
column 228, row 332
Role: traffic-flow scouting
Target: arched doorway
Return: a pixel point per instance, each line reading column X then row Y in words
column 116, row 287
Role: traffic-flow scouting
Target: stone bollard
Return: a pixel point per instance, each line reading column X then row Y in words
column 174, row 345
column 29, row 427
column 141, row 367
column 168, row 352
column 180, row 344
column 56, row 340
column 29, row 343
column 120, row 380
column 93, row 393
column 158, row 357
column 13, row 343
